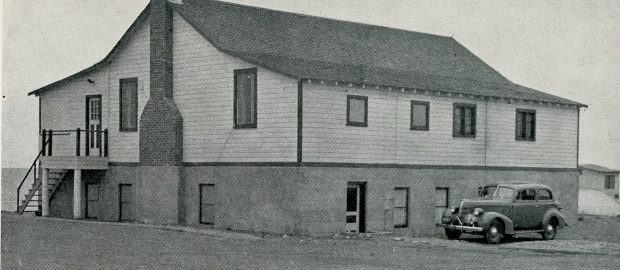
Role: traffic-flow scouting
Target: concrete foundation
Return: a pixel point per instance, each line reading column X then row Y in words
column 297, row 200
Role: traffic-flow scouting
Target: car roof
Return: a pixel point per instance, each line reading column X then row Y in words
column 521, row 185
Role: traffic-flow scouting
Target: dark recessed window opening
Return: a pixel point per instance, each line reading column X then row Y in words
column 207, row 204
column 464, row 124
column 128, row 97
column 401, row 207
column 357, row 111
column 419, row 115
column 526, row 125
column 245, row 98
column 610, row 181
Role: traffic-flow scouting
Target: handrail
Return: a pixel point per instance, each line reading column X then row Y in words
column 34, row 164
column 100, row 134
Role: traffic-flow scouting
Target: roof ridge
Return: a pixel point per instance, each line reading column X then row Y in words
column 322, row 18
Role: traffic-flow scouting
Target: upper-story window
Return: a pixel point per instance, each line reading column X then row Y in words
column 464, row 123
column 245, row 98
column 610, row 181
column 128, row 99
column 526, row 125
column 357, row 111
column 419, row 115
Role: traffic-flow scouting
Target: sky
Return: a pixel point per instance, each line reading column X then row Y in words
column 565, row 48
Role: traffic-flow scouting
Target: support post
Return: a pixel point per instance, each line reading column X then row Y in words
column 43, row 140
column 45, row 201
column 87, row 142
column 49, row 150
column 77, row 194
column 105, row 141
column 77, row 142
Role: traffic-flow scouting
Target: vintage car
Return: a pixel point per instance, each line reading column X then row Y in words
column 503, row 210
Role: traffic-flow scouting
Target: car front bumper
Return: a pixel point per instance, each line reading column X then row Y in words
column 461, row 227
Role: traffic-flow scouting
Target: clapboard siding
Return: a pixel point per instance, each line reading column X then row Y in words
column 388, row 138
column 64, row 106
column 203, row 92
column 555, row 144
column 132, row 61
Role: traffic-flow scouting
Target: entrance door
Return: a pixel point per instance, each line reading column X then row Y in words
column 355, row 207
column 93, row 124
column 125, row 198
column 92, row 198
column 441, row 202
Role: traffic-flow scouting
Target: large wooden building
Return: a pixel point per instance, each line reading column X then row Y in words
column 246, row 118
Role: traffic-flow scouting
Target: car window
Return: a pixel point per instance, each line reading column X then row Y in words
column 487, row 191
column 526, row 195
column 503, row 193
column 544, row 194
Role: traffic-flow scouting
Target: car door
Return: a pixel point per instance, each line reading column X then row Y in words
column 545, row 202
column 524, row 209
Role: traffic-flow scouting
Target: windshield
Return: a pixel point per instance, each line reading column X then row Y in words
column 503, row 193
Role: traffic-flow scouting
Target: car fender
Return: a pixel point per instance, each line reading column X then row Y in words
column 489, row 216
column 555, row 213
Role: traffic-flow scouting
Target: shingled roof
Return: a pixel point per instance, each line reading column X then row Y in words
column 309, row 47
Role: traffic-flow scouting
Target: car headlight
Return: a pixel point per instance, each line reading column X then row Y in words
column 478, row 211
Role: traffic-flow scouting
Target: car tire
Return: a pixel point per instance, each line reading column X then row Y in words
column 550, row 229
column 494, row 232
column 453, row 234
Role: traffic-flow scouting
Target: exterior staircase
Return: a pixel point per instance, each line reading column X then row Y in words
column 32, row 199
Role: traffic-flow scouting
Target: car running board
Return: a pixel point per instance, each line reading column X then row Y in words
column 528, row 231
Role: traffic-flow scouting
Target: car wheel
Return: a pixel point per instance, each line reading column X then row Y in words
column 494, row 232
column 453, row 234
column 549, row 230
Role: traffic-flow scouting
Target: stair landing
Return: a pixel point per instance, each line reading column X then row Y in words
column 75, row 162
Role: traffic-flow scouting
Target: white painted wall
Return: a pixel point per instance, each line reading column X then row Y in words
column 556, row 137
column 203, row 92
column 388, row 138
column 64, row 106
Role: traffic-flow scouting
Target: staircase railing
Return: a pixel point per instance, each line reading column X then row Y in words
column 34, row 167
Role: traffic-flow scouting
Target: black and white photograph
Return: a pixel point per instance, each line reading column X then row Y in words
column 319, row 134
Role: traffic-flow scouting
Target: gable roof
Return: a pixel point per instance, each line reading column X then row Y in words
column 598, row 168
column 309, row 47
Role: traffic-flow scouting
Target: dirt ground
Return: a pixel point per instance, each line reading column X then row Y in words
column 593, row 228
column 44, row 243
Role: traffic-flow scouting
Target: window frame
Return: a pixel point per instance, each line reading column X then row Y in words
column 406, row 207
column 357, row 124
column 520, row 129
column 200, row 186
column 613, row 181
column 236, row 73
column 120, row 105
column 474, row 119
column 427, row 104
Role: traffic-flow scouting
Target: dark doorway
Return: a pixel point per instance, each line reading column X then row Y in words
column 92, row 201
column 356, row 207
column 125, row 212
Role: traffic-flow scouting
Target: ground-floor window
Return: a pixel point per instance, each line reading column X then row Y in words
column 441, row 202
column 92, row 201
column 125, row 198
column 401, row 207
column 207, row 203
